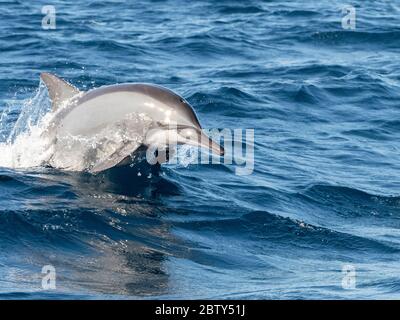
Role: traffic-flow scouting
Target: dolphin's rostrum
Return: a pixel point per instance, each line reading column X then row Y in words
column 102, row 128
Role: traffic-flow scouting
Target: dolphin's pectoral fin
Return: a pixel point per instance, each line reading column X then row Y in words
column 137, row 154
column 118, row 157
column 59, row 90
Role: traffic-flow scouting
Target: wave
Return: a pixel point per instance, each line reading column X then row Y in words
column 373, row 133
column 389, row 39
column 351, row 202
column 239, row 9
column 260, row 230
column 297, row 13
column 228, row 101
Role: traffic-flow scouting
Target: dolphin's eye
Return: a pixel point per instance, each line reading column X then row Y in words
column 188, row 133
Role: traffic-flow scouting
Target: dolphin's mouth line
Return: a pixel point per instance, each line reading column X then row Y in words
column 174, row 126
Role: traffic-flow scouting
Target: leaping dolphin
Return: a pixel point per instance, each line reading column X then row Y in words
column 102, row 128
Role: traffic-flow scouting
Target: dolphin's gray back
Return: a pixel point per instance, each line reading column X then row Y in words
column 160, row 94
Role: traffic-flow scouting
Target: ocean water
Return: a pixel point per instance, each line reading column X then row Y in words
column 319, row 218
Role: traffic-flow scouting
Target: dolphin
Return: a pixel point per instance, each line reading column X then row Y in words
column 104, row 127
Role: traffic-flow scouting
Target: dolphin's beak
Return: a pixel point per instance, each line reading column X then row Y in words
column 207, row 143
column 200, row 139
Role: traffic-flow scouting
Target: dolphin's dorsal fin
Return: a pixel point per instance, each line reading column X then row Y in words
column 59, row 90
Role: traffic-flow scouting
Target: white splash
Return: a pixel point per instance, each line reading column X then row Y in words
column 23, row 146
column 186, row 155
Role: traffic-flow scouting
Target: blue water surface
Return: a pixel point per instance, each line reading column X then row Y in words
column 325, row 191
